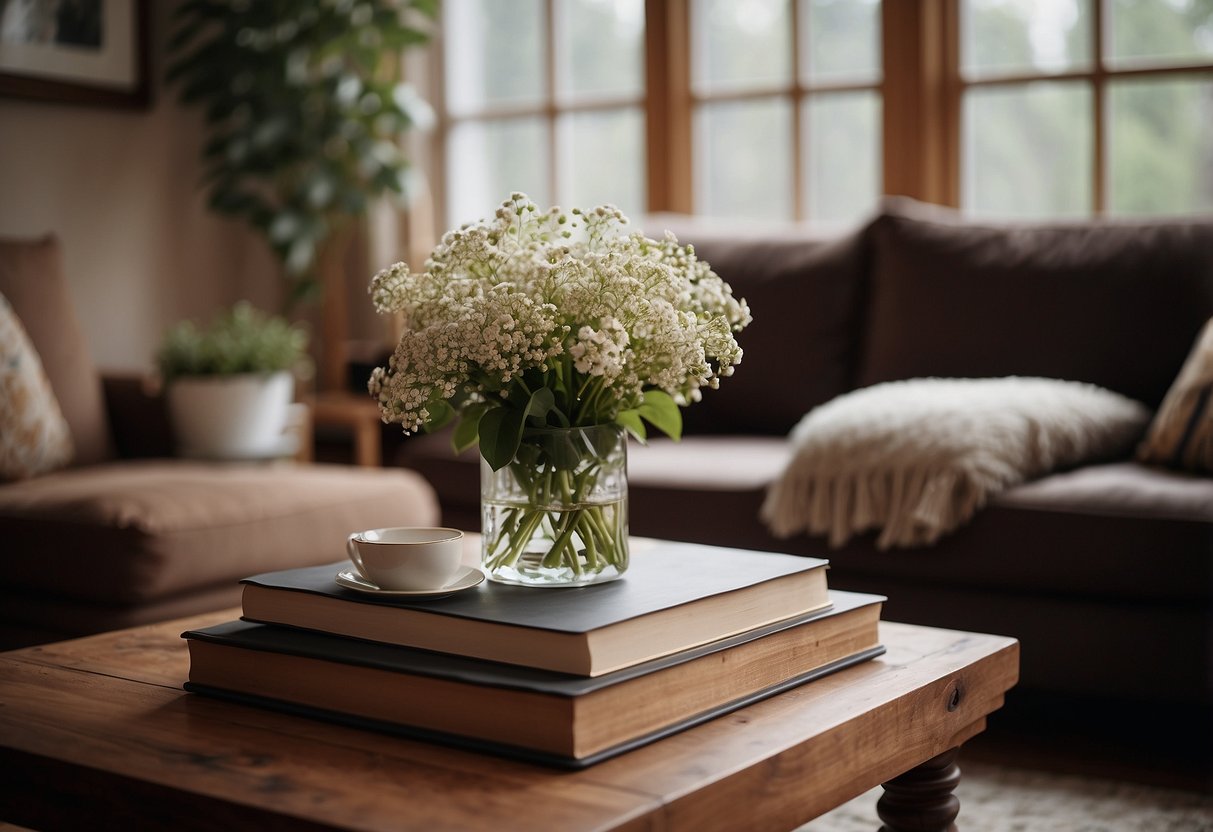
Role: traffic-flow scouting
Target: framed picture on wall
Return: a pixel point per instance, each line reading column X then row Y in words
column 75, row 51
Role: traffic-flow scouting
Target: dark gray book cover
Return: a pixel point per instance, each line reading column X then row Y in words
column 315, row 645
column 660, row 576
column 516, row 752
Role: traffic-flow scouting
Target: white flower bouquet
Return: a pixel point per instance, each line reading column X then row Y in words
column 540, row 321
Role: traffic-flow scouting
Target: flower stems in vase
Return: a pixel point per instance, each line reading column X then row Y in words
column 558, row 512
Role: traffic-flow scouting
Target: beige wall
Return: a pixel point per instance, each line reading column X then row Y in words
column 119, row 188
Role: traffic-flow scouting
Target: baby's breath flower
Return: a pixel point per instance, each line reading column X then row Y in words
column 552, row 292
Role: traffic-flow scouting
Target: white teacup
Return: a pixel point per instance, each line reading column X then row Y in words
column 407, row 557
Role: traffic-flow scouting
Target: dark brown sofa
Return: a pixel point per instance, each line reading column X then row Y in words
column 128, row 535
column 1105, row 572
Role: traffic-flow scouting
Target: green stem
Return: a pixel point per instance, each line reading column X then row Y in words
column 588, row 533
column 581, row 537
column 563, row 540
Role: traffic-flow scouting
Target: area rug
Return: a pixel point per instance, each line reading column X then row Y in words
column 998, row 799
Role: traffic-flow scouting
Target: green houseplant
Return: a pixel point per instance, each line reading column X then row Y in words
column 303, row 113
column 230, row 383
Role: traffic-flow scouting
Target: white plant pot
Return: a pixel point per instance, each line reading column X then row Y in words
column 231, row 417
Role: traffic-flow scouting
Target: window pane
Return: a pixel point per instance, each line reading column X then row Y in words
column 842, row 39
column 1160, row 155
column 1160, row 31
column 740, row 44
column 1009, row 37
column 599, row 47
column 1027, row 150
column 486, row 161
column 743, row 159
column 843, row 155
column 602, row 160
column 494, row 53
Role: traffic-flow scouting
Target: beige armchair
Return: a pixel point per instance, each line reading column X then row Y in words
column 125, row 534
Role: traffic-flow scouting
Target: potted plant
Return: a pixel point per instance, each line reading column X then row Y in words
column 303, row 113
column 230, row 384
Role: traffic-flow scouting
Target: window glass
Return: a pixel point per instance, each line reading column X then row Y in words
column 1019, row 37
column 599, row 47
column 740, row 44
column 842, row 39
column 843, row 172
column 487, row 160
column 1160, row 31
column 1027, row 150
column 494, row 53
column 1160, row 145
column 602, row 159
column 743, row 159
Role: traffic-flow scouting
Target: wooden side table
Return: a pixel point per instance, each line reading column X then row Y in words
column 358, row 414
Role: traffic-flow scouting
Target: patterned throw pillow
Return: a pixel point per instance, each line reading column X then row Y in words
column 1181, row 435
column 34, row 436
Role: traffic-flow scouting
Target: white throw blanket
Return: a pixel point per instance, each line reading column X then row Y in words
column 917, row 458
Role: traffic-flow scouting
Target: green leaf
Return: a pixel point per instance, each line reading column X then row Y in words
column 427, row 7
column 629, row 420
column 467, row 431
column 541, row 403
column 660, row 411
column 441, row 413
column 272, row 114
column 500, row 432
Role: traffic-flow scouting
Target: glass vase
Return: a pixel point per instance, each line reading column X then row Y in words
column 557, row 514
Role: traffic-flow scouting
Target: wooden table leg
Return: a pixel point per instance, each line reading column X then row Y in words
column 921, row 800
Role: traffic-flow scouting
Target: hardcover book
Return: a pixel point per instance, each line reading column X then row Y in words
column 674, row 596
column 541, row 715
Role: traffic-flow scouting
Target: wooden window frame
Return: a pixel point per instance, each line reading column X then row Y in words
column 673, row 101
column 922, row 93
column 1098, row 79
column 549, row 109
column 919, row 94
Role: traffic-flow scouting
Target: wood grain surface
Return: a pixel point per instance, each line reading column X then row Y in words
column 97, row 732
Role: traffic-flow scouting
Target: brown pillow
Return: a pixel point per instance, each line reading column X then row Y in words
column 1181, row 435
column 1110, row 302
column 31, row 277
column 34, row 437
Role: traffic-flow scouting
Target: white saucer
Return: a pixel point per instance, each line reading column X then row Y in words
column 467, row 578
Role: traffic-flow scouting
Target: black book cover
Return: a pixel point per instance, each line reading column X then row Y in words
column 659, row 577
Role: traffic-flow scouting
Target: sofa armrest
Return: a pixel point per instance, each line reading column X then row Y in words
column 138, row 416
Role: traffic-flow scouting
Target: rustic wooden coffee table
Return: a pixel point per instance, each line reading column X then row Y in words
column 98, row 733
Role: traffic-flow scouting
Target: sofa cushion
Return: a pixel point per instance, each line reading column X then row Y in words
column 34, row 436
column 31, row 277
column 707, row 463
column 1181, row 434
column 144, row 531
column 1114, row 303
column 804, row 294
column 1118, row 489
column 1115, row 531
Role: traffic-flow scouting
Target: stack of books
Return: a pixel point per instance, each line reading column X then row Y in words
column 562, row 676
